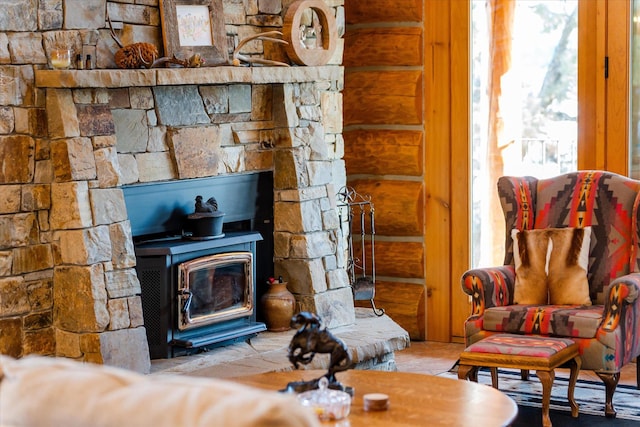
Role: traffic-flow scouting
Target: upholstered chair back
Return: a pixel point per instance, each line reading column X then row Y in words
column 604, row 201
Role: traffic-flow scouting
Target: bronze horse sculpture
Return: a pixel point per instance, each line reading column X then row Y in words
column 310, row 339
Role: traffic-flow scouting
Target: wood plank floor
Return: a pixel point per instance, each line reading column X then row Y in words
column 433, row 358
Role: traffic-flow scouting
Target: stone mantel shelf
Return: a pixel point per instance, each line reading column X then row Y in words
column 118, row 78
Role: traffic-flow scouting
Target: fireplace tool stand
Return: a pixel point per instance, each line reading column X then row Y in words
column 355, row 207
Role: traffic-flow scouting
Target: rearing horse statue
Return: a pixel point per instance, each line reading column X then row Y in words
column 310, row 339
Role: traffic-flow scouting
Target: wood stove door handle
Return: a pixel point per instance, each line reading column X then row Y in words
column 187, row 303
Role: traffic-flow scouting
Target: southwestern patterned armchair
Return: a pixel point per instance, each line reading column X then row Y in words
column 607, row 329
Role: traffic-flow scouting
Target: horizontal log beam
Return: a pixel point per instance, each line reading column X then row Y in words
column 404, row 303
column 383, row 152
column 401, row 46
column 358, row 12
column 390, row 97
column 399, row 205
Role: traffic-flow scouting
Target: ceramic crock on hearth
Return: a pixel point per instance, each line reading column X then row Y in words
column 278, row 306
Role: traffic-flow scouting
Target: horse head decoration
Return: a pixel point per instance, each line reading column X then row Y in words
column 311, row 338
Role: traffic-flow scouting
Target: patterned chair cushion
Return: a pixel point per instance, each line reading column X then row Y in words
column 521, row 345
column 554, row 320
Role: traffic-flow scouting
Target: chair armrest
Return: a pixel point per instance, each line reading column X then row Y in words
column 489, row 287
column 622, row 295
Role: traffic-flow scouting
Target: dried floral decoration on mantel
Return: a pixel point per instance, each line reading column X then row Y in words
column 134, row 55
column 145, row 55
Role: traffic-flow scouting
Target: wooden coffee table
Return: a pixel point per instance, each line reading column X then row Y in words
column 414, row 399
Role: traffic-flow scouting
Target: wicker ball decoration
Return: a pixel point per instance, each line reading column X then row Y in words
column 136, row 55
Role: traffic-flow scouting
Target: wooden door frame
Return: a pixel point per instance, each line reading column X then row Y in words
column 603, row 115
column 446, row 178
column 460, row 166
column 618, row 38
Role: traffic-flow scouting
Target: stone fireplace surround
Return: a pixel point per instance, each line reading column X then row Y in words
column 112, row 128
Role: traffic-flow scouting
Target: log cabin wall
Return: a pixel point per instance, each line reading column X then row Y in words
column 384, row 133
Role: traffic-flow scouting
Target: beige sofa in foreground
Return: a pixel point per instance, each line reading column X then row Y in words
column 44, row 391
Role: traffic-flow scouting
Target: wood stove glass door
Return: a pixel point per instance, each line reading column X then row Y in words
column 215, row 288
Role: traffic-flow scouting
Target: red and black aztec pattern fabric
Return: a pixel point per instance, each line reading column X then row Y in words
column 532, row 346
column 555, row 320
column 607, row 331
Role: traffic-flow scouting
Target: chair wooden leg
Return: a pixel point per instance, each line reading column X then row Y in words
column 468, row 372
column 610, row 383
column 546, row 378
column 638, row 372
column 494, row 377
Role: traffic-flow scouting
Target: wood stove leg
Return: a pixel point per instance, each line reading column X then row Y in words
column 610, row 384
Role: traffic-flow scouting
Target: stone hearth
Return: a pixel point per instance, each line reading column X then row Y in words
column 371, row 340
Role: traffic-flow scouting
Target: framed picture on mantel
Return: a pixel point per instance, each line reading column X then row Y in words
column 192, row 27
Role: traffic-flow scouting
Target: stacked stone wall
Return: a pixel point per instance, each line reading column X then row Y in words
column 68, row 285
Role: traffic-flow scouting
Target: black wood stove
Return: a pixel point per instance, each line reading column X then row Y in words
column 200, row 292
